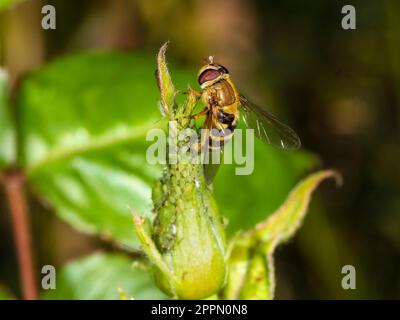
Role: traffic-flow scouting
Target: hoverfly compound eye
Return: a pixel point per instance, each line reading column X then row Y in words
column 208, row 75
column 223, row 70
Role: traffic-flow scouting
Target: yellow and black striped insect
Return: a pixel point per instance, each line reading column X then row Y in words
column 222, row 102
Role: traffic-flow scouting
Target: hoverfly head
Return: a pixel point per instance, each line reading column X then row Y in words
column 211, row 72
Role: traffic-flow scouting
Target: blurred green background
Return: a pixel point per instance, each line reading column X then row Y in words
column 82, row 95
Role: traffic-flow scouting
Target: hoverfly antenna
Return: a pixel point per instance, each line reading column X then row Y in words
column 209, row 60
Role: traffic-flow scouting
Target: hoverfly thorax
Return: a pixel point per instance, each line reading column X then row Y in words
column 211, row 73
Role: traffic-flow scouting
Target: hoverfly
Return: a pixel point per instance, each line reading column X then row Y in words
column 222, row 102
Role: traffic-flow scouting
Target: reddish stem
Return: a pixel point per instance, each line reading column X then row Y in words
column 14, row 186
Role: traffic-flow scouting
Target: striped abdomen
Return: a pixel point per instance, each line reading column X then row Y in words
column 222, row 102
column 222, row 129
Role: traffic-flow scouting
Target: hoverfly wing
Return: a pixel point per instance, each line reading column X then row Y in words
column 267, row 127
column 210, row 171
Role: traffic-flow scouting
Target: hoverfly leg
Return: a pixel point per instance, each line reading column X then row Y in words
column 190, row 90
column 196, row 92
column 201, row 113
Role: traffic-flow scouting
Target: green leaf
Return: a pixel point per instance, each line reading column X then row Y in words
column 252, row 274
column 167, row 89
column 251, row 196
column 6, row 129
column 83, row 122
column 101, row 277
